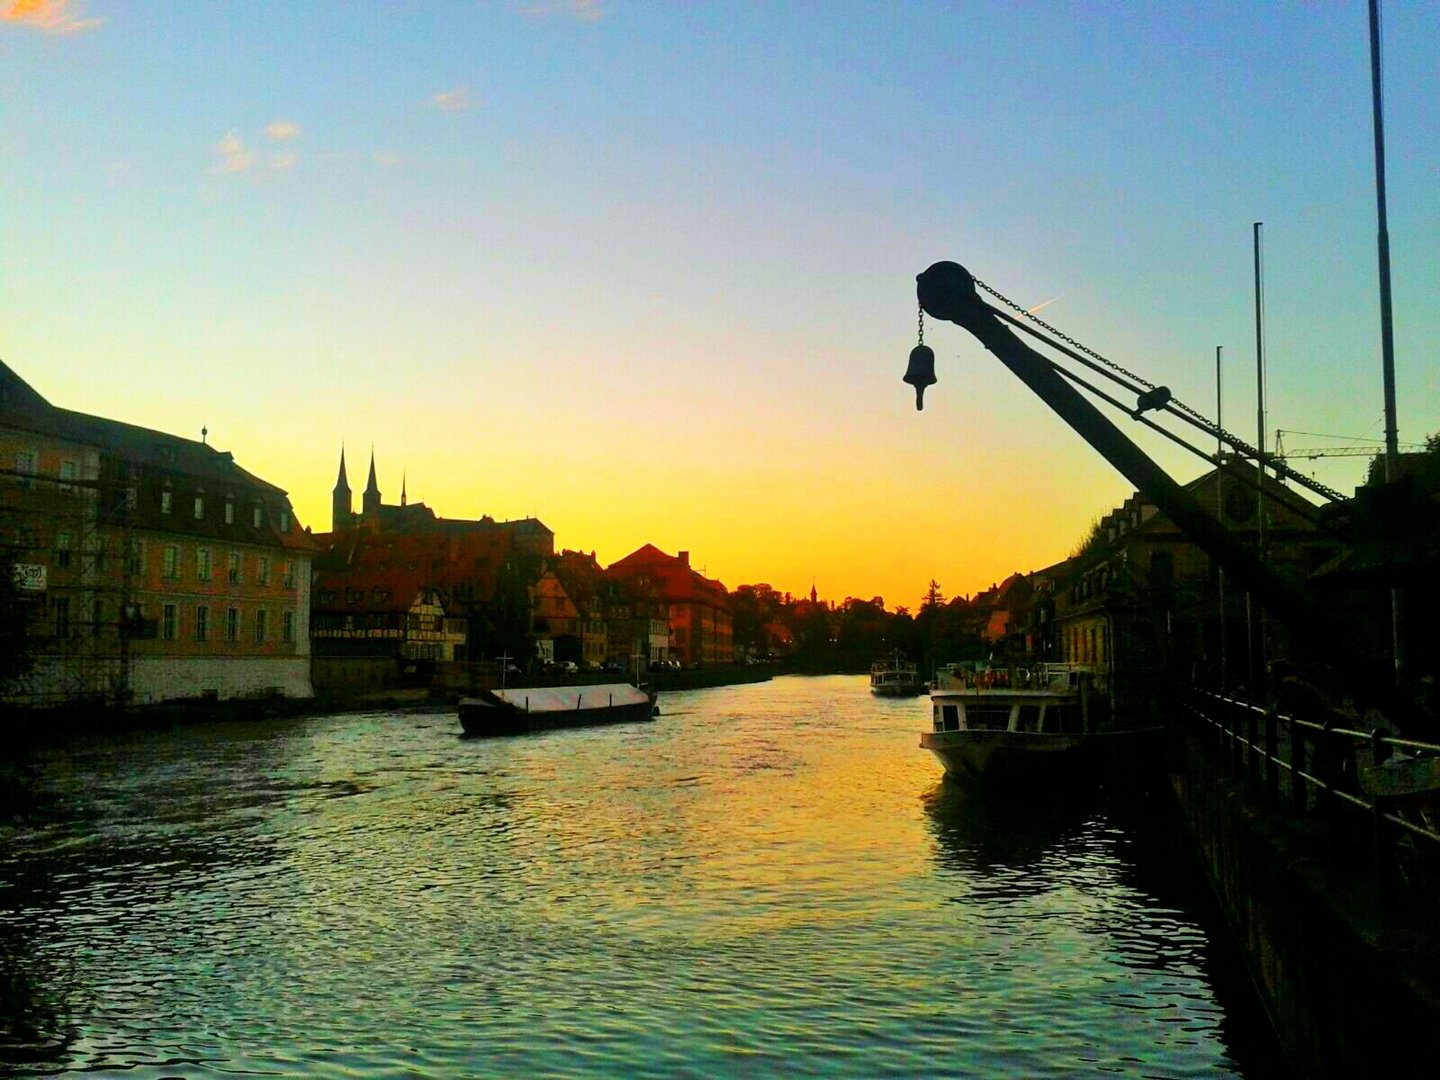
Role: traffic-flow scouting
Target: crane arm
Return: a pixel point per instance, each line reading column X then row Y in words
column 947, row 291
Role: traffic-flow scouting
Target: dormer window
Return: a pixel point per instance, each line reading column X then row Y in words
column 199, row 507
column 229, row 512
column 284, row 521
column 167, row 500
column 258, row 517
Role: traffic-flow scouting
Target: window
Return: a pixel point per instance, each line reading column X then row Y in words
column 229, row 512
column 67, row 473
column 199, row 507
column 166, row 501
column 62, row 549
column 130, row 497
column 135, row 561
column 262, row 575
column 232, row 624
column 287, row 627
column 259, row 626
column 353, row 595
column 62, row 616
column 202, row 622
column 167, row 623
column 258, row 517
column 202, row 564
column 284, row 521
column 234, row 568
column 172, row 561
column 97, row 617
column 288, row 572
column 25, row 463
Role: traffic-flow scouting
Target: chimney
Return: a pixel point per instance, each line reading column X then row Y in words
column 684, row 558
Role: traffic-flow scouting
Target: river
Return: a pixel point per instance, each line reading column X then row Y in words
column 770, row 879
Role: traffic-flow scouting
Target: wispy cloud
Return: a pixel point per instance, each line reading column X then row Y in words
column 282, row 130
column 456, row 99
column 580, row 10
column 235, row 156
column 51, row 16
column 281, row 162
column 387, row 158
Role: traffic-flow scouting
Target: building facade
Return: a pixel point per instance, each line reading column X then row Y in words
column 156, row 568
column 697, row 608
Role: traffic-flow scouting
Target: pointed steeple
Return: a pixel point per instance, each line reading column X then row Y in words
column 342, row 516
column 370, row 501
column 402, row 488
column 341, row 483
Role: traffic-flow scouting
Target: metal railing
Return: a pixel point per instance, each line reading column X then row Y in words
column 1372, row 789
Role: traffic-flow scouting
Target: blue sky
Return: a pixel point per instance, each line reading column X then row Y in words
column 647, row 270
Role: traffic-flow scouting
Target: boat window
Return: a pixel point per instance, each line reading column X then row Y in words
column 979, row 718
column 952, row 717
column 1029, row 718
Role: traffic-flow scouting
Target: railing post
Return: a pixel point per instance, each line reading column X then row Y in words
column 1385, row 869
column 1298, row 795
column 1327, row 769
column 1380, row 835
column 1272, row 753
column 1252, row 739
column 1237, row 723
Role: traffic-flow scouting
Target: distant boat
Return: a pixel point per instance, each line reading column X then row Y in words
column 895, row 677
column 540, row 708
column 1009, row 725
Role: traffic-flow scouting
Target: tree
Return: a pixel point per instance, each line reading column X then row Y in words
column 934, row 598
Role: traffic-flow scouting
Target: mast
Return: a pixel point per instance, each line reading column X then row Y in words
column 1387, row 329
column 1220, row 500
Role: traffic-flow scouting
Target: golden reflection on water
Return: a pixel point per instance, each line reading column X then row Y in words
column 767, row 876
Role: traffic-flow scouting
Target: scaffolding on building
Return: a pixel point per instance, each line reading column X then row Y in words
column 68, row 538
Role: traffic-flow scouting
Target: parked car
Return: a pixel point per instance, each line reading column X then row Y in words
column 568, row 667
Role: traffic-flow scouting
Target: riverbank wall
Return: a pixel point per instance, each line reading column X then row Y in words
column 346, row 685
column 1351, row 985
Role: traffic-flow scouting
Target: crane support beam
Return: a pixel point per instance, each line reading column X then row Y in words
column 947, row 291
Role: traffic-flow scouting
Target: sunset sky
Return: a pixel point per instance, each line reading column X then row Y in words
column 646, row 270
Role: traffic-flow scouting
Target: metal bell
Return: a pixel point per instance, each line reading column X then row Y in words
column 921, row 372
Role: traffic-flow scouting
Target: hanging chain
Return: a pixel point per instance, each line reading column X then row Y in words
column 1233, row 440
column 922, row 325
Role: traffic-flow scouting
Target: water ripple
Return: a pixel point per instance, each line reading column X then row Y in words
column 768, row 880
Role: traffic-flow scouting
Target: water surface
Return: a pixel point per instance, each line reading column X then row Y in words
column 771, row 879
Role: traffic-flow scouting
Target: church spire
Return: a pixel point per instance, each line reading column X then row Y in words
column 341, row 483
column 341, row 514
column 370, row 502
column 402, row 488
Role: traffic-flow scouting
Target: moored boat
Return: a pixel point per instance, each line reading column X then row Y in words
column 1009, row 724
column 895, row 677
column 540, row 708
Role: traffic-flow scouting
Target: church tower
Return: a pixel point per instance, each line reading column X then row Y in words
column 342, row 516
column 370, row 500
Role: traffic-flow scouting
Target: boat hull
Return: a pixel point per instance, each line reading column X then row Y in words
column 490, row 714
column 898, row 689
column 1009, row 758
